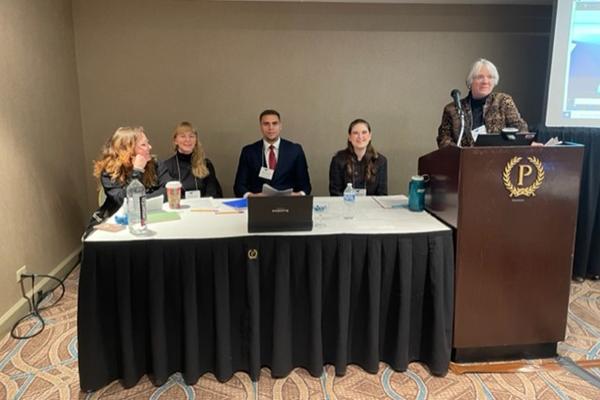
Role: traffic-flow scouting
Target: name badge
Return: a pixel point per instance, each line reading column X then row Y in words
column 192, row 194
column 478, row 131
column 266, row 173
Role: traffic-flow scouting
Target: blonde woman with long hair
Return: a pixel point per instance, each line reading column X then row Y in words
column 124, row 157
column 190, row 166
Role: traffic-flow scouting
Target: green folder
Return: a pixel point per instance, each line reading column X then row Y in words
column 162, row 216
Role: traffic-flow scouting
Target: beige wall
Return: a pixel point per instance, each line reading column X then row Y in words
column 43, row 186
column 218, row 64
column 156, row 62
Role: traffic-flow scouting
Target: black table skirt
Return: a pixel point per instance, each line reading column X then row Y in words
column 198, row 306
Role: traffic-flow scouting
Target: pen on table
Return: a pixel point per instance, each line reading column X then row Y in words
column 230, row 212
column 204, row 209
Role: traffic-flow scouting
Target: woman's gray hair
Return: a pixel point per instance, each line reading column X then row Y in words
column 477, row 65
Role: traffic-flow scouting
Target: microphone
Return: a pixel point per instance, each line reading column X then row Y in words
column 455, row 94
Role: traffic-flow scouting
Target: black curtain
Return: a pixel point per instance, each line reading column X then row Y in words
column 587, row 242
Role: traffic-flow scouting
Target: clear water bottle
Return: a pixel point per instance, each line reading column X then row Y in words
column 136, row 208
column 349, row 201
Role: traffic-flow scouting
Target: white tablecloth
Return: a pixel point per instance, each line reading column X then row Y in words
column 369, row 218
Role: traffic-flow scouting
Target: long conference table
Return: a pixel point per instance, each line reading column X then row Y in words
column 203, row 295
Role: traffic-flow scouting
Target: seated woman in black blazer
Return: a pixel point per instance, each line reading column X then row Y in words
column 189, row 165
column 358, row 164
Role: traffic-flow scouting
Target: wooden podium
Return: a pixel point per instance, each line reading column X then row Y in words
column 514, row 211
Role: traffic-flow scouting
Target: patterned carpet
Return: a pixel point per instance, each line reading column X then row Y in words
column 45, row 367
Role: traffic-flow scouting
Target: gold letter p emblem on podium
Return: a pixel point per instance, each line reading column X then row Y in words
column 524, row 171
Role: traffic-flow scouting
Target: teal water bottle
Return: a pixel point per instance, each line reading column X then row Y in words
column 416, row 193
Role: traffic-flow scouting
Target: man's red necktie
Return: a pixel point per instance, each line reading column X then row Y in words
column 272, row 158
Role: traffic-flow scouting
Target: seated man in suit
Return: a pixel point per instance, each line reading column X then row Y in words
column 272, row 160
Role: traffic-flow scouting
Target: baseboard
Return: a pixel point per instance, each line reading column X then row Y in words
column 504, row 353
column 21, row 307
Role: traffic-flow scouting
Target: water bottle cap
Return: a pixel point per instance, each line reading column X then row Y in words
column 417, row 178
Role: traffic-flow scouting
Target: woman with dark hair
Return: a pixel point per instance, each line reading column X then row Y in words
column 190, row 166
column 358, row 164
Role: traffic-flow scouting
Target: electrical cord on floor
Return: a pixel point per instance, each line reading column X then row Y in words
column 34, row 308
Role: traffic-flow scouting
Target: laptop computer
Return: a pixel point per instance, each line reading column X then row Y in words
column 498, row 139
column 280, row 213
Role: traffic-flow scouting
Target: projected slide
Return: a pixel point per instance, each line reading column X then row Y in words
column 574, row 86
column 583, row 83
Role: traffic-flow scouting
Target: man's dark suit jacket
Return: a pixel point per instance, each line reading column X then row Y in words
column 291, row 170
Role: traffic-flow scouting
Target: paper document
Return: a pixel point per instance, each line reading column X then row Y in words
column 108, row 227
column 396, row 201
column 162, row 216
column 478, row 131
column 553, row 142
column 269, row 190
column 154, row 204
column 201, row 202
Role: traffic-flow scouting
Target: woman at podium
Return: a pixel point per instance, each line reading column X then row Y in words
column 358, row 164
column 485, row 111
column 190, row 166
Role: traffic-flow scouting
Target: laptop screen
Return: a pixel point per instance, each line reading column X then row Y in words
column 496, row 139
column 280, row 213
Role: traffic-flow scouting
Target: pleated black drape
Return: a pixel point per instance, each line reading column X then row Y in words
column 587, row 241
column 238, row 304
